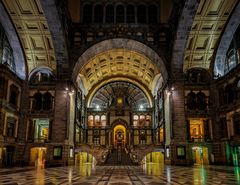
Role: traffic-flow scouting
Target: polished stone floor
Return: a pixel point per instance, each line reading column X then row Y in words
column 150, row 174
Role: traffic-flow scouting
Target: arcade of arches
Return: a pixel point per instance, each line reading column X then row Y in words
column 119, row 83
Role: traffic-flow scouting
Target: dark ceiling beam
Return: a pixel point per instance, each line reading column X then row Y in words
column 184, row 27
column 57, row 31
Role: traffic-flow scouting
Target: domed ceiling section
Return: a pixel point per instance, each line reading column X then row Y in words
column 119, row 63
column 209, row 22
column 32, row 28
column 129, row 94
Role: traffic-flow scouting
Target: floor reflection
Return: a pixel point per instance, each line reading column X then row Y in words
column 40, row 177
column 149, row 174
column 198, row 175
column 155, row 169
column 237, row 174
column 86, row 169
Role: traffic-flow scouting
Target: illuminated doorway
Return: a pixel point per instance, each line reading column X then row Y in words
column 7, row 156
column 200, row 155
column 86, row 163
column 38, row 157
column 2, row 156
column 119, row 136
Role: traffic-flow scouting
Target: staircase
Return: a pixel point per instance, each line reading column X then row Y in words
column 118, row 157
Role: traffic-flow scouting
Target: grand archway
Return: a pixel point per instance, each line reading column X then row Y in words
column 119, row 58
column 119, row 79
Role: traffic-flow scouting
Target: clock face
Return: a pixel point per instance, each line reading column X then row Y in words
column 119, row 101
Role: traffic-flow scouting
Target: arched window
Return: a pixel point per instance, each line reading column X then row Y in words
column 142, row 120
column 130, row 14
column 6, row 52
column 41, row 76
column 47, row 101
column 90, row 120
column 103, row 121
column 141, row 14
column 238, row 89
column 120, row 14
column 97, row 120
column 109, row 14
column 135, row 120
column 7, row 57
column 98, row 14
column 87, row 13
column 37, row 104
column 222, row 97
column 229, row 89
column 2, row 87
column 152, row 14
column 191, row 101
column 231, row 60
column 201, row 101
column 148, row 120
column 13, row 96
column 236, row 122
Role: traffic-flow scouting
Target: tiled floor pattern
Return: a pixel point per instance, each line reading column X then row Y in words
column 122, row 175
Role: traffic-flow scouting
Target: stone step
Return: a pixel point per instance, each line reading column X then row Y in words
column 118, row 158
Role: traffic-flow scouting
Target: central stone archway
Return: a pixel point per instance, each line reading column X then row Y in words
column 125, row 45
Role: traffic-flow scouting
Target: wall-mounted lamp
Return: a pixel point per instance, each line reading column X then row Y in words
column 71, row 93
column 170, row 91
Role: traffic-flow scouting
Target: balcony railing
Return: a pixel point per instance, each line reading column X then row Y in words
column 41, row 140
column 200, row 139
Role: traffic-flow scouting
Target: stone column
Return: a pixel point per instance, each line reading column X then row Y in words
column 63, row 124
column 179, row 132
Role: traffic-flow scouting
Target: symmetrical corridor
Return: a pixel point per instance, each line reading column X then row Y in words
column 110, row 175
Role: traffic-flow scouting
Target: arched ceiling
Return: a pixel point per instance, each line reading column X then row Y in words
column 32, row 28
column 119, row 63
column 31, row 23
column 132, row 95
column 207, row 27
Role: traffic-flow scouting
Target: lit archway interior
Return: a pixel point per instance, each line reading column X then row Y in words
column 119, row 133
column 128, row 93
column 119, row 65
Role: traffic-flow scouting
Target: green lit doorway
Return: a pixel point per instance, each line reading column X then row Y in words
column 236, row 155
